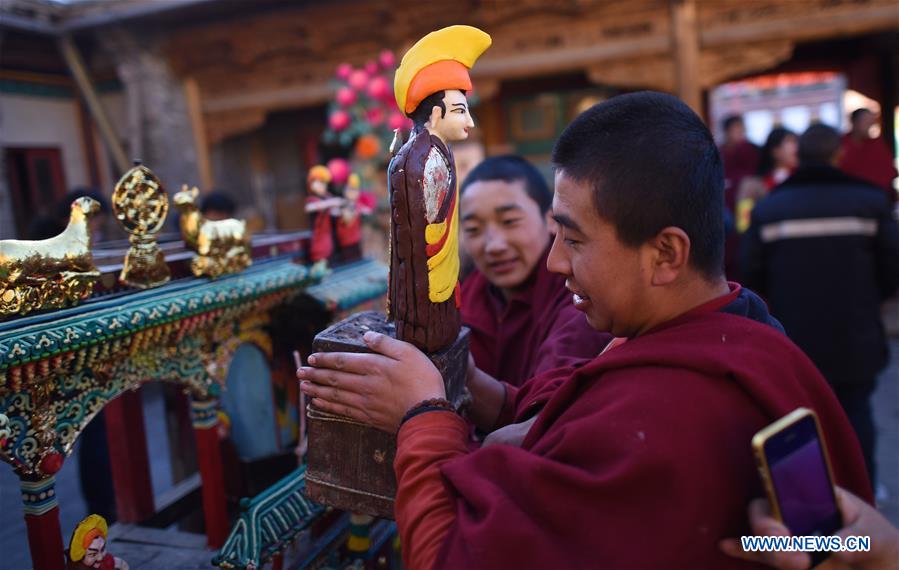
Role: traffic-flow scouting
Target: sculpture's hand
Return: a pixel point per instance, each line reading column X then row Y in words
column 377, row 389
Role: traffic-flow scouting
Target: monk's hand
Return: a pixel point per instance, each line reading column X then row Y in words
column 378, row 388
column 512, row 434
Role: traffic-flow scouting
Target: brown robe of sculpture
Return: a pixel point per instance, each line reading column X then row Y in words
column 427, row 325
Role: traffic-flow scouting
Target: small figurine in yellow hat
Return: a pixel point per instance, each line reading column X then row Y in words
column 319, row 202
column 430, row 86
column 88, row 547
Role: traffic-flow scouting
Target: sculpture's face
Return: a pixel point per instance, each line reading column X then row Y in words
column 319, row 187
column 95, row 553
column 457, row 122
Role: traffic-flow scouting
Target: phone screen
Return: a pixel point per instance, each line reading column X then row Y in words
column 801, row 480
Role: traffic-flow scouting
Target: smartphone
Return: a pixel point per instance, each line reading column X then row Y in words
column 795, row 469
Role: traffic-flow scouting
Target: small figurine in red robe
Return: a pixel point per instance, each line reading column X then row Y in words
column 88, row 547
column 348, row 224
column 318, row 204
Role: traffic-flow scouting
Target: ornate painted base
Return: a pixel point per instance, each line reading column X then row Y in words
column 350, row 464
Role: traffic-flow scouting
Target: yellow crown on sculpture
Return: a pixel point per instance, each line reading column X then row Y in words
column 438, row 61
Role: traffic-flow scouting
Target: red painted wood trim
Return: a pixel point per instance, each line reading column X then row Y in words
column 45, row 541
column 215, row 509
column 128, row 458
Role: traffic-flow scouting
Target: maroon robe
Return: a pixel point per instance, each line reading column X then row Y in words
column 869, row 160
column 538, row 329
column 639, row 459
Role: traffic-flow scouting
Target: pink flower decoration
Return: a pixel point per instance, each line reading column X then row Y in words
column 387, row 59
column 345, row 97
column 358, row 79
column 396, row 121
column 339, row 120
column 343, row 71
column 379, row 89
column 371, row 67
column 340, row 170
column 375, row 116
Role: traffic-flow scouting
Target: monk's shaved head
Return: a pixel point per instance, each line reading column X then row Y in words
column 651, row 163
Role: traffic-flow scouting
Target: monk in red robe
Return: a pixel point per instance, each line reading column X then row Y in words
column 521, row 317
column 867, row 157
column 642, row 457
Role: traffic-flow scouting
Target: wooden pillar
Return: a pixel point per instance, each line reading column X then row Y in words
column 42, row 521
column 685, row 43
column 128, row 458
column 86, row 88
column 195, row 110
column 215, row 511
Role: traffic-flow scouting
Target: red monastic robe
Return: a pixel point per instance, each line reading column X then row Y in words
column 639, row 459
column 869, row 160
column 538, row 329
column 322, row 243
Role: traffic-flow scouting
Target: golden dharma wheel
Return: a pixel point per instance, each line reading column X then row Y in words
column 140, row 202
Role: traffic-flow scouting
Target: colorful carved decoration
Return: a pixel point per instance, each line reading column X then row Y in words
column 222, row 246
column 140, row 204
column 87, row 549
column 4, row 429
column 57, row 374
column 50, row 273
column 268, row 523
column 430, row 87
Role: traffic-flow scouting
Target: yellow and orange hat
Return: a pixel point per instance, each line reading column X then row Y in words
column 438, row 61
column 85, row 533
column 319, row 172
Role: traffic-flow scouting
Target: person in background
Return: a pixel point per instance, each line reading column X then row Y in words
column 521, row 316
column 823, row 249
column 741, row 159
column 867, row 157
column 217, row 206
column 779, row 159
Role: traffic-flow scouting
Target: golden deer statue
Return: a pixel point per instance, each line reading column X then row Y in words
column 222, row 246
column 49, row 273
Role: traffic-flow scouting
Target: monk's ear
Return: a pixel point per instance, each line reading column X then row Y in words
column 671, row 252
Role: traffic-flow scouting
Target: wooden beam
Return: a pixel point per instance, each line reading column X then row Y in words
column 816, row 24
column 194, row 110
column 685, row 44
column 79, row 73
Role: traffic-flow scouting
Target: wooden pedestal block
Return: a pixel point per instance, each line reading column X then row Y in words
column 350, row 464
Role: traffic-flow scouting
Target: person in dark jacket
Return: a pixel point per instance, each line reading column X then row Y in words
column 823, row 249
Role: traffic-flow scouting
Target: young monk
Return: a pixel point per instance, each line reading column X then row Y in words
column 521, row 317
column 640, row 458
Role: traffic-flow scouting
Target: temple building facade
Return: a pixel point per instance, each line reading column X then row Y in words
column 233, row 95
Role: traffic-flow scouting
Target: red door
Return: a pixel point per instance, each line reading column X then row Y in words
column 37, row 183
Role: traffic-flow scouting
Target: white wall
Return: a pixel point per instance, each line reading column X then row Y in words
column 45, row 122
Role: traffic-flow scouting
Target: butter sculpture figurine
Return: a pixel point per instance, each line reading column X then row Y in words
column 350, row 464
column 430, row 87
column 222, row 246
column 87, row 549
column 50, row 273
